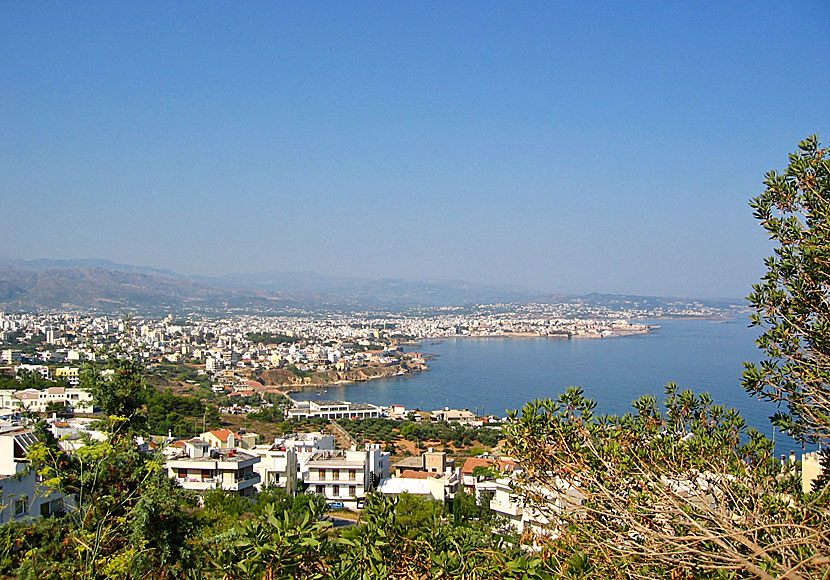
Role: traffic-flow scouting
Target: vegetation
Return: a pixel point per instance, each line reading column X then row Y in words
column 273, row 338
column 180, row 373
column 390, row 430
column 792, row 303
column 27, row 379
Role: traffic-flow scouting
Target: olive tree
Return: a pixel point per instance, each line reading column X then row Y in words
column 792, row 302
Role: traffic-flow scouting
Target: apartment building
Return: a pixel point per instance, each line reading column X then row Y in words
column 75, row 399
column 305, row 445
column 347, row 475
column 10, row 356
column 71, row 375
column 199, row 467
column 278, row 466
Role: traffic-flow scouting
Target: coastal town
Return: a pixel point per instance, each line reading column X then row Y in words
column 249, row 365
column 314, row 348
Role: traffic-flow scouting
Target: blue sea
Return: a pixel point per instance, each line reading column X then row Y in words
column 492, row 375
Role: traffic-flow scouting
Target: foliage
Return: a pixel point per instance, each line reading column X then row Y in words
column 388, row 430
column 690, row 491
column 169, row 412
column 27, row 379
column 126, row 518
column 273, row 338
column 792, row 303
column 117, row 387
column 268, row 415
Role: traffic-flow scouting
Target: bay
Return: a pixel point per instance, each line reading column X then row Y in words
column 492, row 375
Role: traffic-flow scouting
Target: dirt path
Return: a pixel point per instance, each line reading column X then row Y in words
column 342, row 438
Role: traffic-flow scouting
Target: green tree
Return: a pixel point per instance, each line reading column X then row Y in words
column 792, row 302
column 117, row 387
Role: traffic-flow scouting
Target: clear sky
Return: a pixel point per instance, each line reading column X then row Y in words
column 593, row 147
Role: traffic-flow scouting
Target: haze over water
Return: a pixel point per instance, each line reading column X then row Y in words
column 491, row 375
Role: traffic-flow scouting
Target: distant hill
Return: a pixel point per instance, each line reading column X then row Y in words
column 103, row 290
column 43, row 264
column 105, row 286
column 386, row 292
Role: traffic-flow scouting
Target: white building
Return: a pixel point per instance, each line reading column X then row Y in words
column 523, row 515
column 346, row 476
column 277, row 468
column 10, row 356
column 42, row 370
column 305, row 445
column 334, row 410
column 463, row 416
column 21, row 496
column 810, row 470
column 77, row 400
column 199, row 467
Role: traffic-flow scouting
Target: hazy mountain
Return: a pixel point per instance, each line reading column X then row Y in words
column 114, row 291
column 389, row 292
column 110, row 287
column 42, row 264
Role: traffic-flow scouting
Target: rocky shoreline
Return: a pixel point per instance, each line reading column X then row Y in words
column 284, row 378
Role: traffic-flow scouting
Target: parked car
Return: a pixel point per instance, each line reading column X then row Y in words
column 335, row 505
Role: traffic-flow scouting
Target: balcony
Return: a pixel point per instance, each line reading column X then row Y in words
column 198, row 484
column 507, row 509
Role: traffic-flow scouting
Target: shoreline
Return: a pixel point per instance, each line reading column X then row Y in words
column 420, row 343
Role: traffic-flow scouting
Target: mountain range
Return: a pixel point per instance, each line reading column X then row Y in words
column 101, row 285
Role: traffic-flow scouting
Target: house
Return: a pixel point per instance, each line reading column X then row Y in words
column 430, row 462
column 21, row 495
column 397, row 412
column 225, row 439
column 346, row 475
column 511, row 503
column 477, row 473
column 420, row 483
column 75, row 399
column 435, row 478
column 199, row 467
column 463, row 416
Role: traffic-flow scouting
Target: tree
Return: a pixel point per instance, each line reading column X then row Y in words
column 126, row 518
column 118, row 388
column 792, row 303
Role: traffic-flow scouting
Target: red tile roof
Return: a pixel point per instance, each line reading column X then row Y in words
column 221, row 434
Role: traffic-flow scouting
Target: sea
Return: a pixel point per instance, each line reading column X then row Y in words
column 493, row 375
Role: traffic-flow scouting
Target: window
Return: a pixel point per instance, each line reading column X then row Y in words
column 21, row 505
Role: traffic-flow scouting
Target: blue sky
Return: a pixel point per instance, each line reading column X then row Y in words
column 568, row 148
